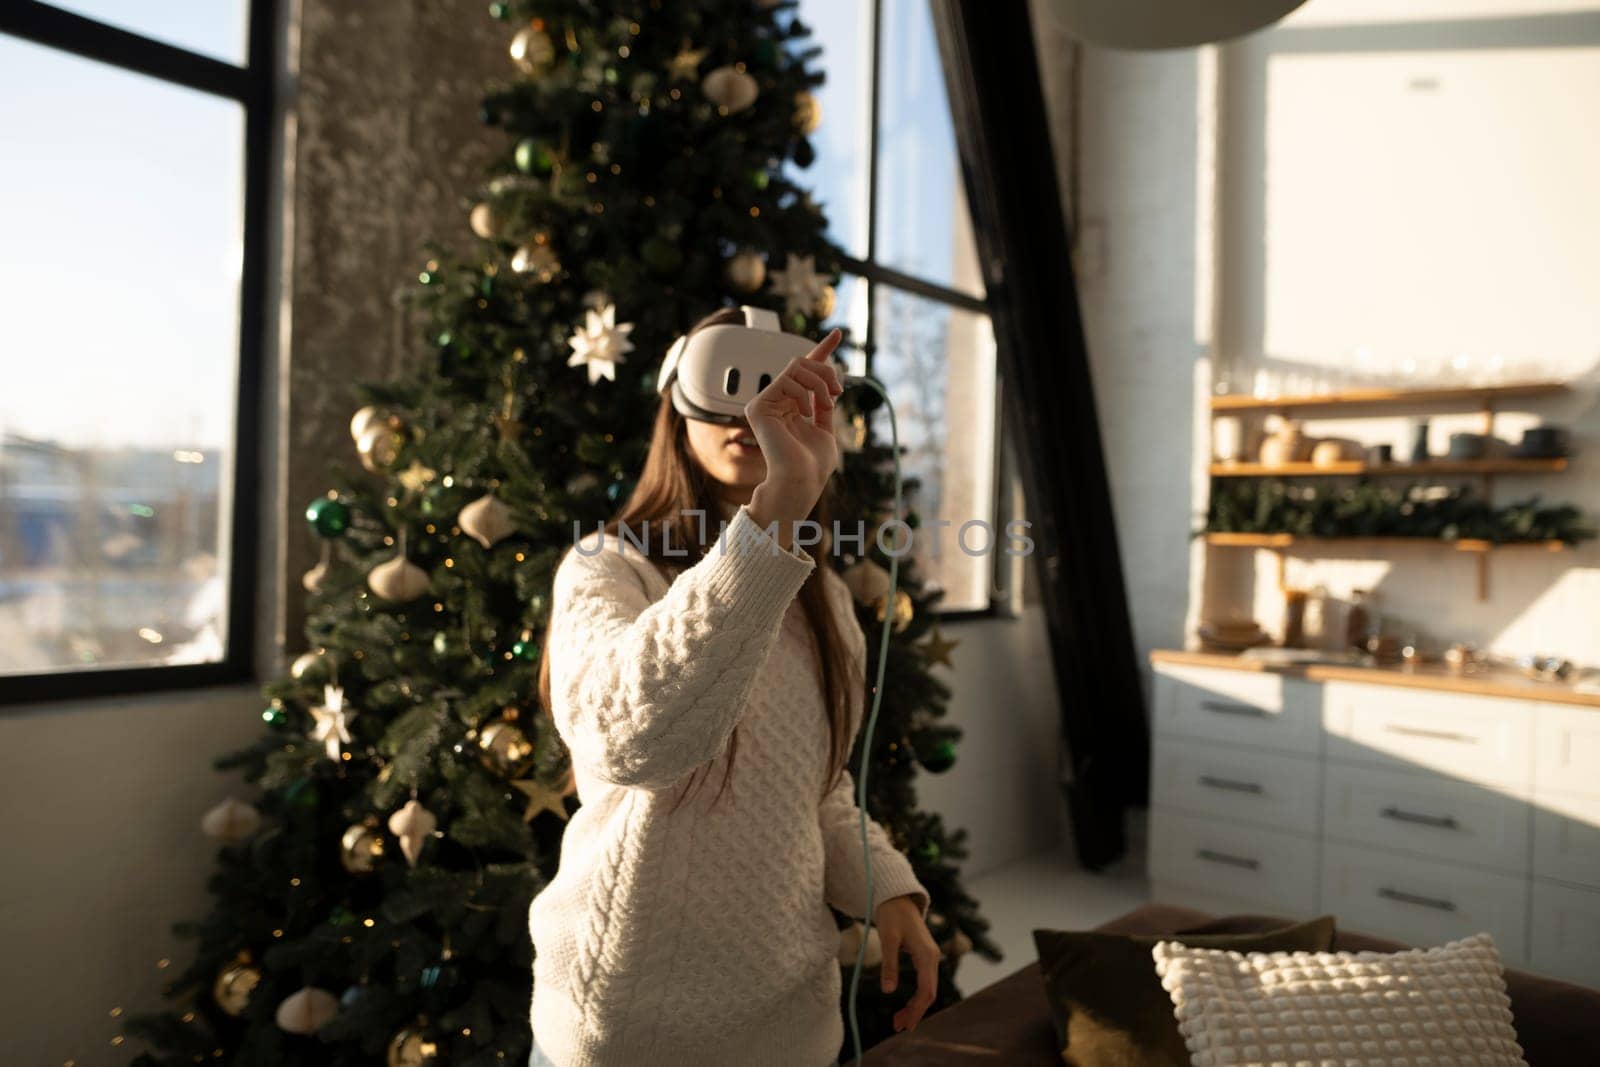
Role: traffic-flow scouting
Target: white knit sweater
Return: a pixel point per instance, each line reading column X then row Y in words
column 699, row 936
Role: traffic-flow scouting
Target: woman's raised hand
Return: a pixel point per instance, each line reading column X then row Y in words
column 792, row 419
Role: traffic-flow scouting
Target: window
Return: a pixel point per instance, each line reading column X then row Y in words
column 131, row 211
column 888, row 176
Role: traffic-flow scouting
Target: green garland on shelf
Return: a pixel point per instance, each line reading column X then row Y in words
column 1372, row 509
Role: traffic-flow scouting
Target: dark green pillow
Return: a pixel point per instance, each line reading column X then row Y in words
column 1107, row 1003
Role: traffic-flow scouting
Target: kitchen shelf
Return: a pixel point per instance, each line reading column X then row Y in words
column 1470, row 396
column 1510, row 465
column 1281, row 543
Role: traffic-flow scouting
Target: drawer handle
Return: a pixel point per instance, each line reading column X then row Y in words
column 1444, row 822
column 1438, row 735
column 1211, row 856
column 1403, row 897
column 1223, row 708
column 1231, row 784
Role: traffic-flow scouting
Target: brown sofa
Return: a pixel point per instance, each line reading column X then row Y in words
column 1008, row 1024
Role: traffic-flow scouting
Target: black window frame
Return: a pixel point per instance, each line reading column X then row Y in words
column 875, row 274
column 252, row 87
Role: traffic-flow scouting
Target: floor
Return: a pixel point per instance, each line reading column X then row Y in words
column 1047, row 889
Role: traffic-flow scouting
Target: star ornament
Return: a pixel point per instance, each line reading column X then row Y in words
column 799, row 283
column 416, row 476
column 333, row 720
column 540, row 798
column 937, row 649
column 601, row 344
column 685, row 66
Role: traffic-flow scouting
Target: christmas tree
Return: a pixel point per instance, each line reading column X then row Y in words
column 408, row 795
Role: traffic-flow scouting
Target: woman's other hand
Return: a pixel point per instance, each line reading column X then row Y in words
column 792, row 419
column 900, row 925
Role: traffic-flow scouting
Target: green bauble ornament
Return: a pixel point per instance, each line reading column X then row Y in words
column 662, row 255
column 525, row 649
column 533, row 157
column 760, row 179
column 619, row 490
column 301, row 794
column 928, row 852
column 328, row 516
column 940, row 758
column 275, row 716
column 501, row 11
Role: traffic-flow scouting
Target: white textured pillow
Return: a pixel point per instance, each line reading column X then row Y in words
column 1436, row 1007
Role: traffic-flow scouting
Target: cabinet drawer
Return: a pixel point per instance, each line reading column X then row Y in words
column 1422, row 902
column 1567, row 749
column 1481, row 739
column 1427, row 814
column 1270, row 788
column 1566, row 837
column 1271, row 868
column 1566, row 933
column 1240, row 707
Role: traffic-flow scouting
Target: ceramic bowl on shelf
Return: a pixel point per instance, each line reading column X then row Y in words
column 1542, row 442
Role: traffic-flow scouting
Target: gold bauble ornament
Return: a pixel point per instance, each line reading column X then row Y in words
column 850, row 945
column 413, row 825
column 867, row 581
column 234, row 985
column 504, row 746
column 851, row 432
column 411, row 1048
column 538, row 259
column 746, row 271
column 731, row 89
column 532, row 51
column 484, row 222
column 486, row 520
column 902, row 609
column 361, row 848
column 807, row 112
column 307, row 1011
column 825, row 302
column 378, row 447
column 960, row 944
column 231, row 821
column 365, row 419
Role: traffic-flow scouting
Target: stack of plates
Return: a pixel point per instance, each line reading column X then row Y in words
column 1232, row 635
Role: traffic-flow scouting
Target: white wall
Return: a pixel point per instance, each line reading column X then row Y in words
column 1412, row 179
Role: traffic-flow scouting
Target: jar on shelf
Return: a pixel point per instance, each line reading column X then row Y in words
column 1360, row 619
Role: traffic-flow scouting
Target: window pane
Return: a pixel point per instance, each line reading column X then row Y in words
column 215, row 28
column 121, row 242
column 838, row 178
column 938, row 363
column 850, row 314
column 922, row 223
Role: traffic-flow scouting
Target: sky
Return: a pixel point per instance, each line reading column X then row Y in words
column 121, row 214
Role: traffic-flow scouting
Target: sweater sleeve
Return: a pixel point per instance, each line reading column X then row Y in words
column 845, row 874
column 643, row 693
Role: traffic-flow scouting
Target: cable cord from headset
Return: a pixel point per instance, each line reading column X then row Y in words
column 872, row 719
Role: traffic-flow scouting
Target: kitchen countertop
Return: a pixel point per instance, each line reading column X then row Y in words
column 1494, row 681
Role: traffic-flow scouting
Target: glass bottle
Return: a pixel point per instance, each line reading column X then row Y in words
column 1358, row 619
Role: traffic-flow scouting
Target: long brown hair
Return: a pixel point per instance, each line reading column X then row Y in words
column 672, row 484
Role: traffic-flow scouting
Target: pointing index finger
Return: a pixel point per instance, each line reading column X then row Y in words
column 825, row 347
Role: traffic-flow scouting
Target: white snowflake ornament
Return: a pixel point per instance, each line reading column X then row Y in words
column 799, row 283
column 601, row 343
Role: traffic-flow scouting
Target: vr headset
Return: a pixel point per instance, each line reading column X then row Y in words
column 715, row 373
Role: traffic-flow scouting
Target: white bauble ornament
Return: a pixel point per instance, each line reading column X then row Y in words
column 483, row 221
column 363, row 420
column 486, row 520
column 231, row 821
column 532, row 51
column 307, row 1011
column 746, row 271
column 412, row 824
column 868, row 582
column 399, row 579
column 730, row 88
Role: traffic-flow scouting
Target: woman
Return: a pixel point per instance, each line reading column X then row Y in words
column 683, row 928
